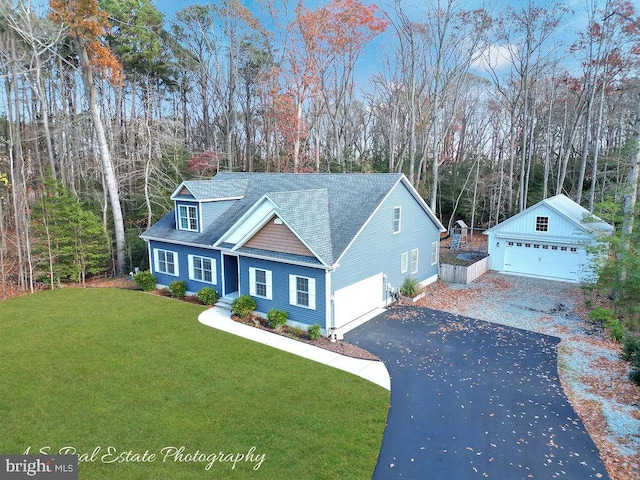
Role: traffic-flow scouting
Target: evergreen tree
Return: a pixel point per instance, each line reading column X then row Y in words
column 69, row 242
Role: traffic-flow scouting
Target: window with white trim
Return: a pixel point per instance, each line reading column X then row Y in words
column 302, row 291
column 397, row 216
column 434, row 253
column 166, row 262
column 542, row 224
column 414, row 261
column 404, row 262
column 260, row 283
column 202, row 269
column 188, row 217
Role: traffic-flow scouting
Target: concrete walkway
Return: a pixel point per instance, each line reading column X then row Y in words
column 373, row 371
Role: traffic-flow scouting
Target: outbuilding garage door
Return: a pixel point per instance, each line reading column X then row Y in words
column 563, row 262
column 357, row 300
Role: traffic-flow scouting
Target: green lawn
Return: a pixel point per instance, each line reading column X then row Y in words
column 117, row 373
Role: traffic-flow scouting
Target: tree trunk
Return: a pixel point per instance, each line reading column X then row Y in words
column 105, row 156
column 631, row 194
column 596, row 150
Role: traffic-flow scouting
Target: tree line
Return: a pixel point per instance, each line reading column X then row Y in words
column 108, row 104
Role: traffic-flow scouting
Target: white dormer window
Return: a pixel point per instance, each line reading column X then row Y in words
column 188, row 217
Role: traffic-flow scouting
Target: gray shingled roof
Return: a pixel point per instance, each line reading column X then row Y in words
column 325, row 210
column 307, row 214
column 208, row 190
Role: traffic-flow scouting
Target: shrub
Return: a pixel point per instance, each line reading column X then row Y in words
column 410, row 287
column 313, row 331
column 208, row 296
column 630, row 348
column 277, row 318
column 295, row 331
column 178, row 288
column 243, row 306
column 616, row 329
column 145, row 280
column 634, row 375
column 600, row 314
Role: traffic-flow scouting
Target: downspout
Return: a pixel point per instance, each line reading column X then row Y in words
column 330, row 315
column 150, row 255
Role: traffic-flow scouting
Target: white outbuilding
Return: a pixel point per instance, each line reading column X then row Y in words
column 552, row 239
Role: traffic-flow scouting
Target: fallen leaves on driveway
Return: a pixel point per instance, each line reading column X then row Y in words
column 592, row 376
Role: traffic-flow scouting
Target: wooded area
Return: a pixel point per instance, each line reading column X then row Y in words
column 107, row 104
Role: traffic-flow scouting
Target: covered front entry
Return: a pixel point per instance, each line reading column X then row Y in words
column 562, row 262
column 355, row 301
column 230, row 274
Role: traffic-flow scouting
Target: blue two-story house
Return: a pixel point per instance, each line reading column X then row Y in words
column 326, row 248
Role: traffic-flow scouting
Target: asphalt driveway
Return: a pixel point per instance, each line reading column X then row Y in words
column 473, row 399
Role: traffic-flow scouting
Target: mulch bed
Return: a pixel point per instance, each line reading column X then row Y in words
column 338, row 346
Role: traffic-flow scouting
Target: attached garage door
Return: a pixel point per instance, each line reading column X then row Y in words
column 563, row 262
column 356, row 300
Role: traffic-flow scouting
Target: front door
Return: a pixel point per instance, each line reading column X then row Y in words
column 230, row 274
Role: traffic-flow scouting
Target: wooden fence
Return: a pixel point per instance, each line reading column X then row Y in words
column 461, row 274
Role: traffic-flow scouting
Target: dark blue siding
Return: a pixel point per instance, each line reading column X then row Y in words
column 183, row 253
column 280, row 289
column 378, row 250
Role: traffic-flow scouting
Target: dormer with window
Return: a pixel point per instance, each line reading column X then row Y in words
column 188, row 217
column 198, row 203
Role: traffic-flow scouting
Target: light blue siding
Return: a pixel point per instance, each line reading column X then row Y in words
column 183, row 252
column 280, row 289
column 378, row 250
column 525, row 225
column 508, row 242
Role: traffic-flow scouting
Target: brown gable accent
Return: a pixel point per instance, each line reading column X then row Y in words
column 278, row 238
column 185, row 191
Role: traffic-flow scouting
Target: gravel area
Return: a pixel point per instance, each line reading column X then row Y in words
column 594, row 379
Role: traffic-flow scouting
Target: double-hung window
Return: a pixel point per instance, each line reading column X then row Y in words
column 260, row 283
column 166, row 262
column 397, row 216
column 434, row 253
column 302, row 291
column 404, row 262
column 202, row 269
column 188, row 217
column 414, row 261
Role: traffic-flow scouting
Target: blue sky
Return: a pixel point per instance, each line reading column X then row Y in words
column 373, row 56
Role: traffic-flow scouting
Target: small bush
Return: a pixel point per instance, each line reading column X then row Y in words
column 208, row 296
column 616, row 329
column 634, row 375
column 630, row 348
column 243, row 306
column 410, row 287
column 145, row 280
column 313, row 331
column 296, row 331
column 277, row 318
column 178, row 288
column 600, row 314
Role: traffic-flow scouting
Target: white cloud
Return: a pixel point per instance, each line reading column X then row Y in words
column 495, row 57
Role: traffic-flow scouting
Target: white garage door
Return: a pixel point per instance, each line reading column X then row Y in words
column 563, row 262
column 356, row 300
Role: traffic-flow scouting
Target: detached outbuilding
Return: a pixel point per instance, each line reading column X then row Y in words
column 552, row 239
